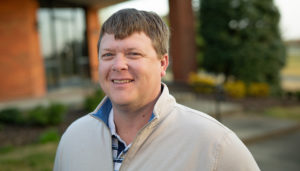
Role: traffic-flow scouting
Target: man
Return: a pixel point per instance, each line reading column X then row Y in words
column 139, row 126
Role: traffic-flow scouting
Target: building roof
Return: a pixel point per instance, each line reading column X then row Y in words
column 78, row 3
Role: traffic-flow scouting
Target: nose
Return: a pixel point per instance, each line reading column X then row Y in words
column 119, row 63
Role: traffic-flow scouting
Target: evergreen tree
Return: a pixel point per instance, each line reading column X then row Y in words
column 242, row 39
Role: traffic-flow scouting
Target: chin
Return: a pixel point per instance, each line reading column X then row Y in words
column 120, row 101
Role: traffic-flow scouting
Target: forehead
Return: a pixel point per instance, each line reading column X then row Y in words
column 135, row 40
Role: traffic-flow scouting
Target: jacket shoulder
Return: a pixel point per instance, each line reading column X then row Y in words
column 197, row 118
column 88, row 137
column 83, row 126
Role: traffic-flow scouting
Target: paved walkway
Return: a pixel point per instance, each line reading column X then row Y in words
column 279, row 153
column 249, row 127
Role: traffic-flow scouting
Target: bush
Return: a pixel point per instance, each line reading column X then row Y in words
column 93, row 100
column 55, row 113
column 258, row 90
column 38, row 116
column 235, row 89
column 11, row 116
column 297, row 94
column 202, row 83
column 292, row 95
column 43, row 116
column 51, row 135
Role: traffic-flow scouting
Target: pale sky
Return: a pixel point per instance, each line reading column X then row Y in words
column 289, row 9
column 161, row 7
column 290, row 18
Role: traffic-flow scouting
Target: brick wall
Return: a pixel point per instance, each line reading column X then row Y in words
column 21, row 65
column 93, row 30
column 183, row 40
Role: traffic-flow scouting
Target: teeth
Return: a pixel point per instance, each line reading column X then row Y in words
column 121, row 81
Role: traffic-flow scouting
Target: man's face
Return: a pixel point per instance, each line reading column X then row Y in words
column 130, row 70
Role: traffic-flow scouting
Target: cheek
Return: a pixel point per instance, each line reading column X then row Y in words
column 103, row 69
column 102, row 75
column 155, row 71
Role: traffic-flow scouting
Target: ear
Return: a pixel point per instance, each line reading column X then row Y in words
column 164, row 62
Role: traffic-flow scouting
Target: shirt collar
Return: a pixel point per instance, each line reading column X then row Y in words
column 111, row 123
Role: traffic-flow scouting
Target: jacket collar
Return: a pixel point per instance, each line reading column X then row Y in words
column 164, row 104
column 103, row 109
column 162, row 107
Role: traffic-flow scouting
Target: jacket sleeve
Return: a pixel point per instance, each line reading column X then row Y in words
column 233, row 155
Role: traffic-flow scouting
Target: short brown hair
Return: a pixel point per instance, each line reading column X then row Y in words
column 125, row 22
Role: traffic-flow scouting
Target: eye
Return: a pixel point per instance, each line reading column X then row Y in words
column 107, row 55
column 134, row 55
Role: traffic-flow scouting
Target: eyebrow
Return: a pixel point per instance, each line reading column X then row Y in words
column 114, row 50
column 134, row 49
column 108, row 49
column 127, row 49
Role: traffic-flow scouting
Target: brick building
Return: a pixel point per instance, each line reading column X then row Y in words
column 27, row 70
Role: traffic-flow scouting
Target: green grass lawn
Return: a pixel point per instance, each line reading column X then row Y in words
column 35, row 157
column 284, row 112
column 292, row 68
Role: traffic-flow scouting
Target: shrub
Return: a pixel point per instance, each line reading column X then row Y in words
column 292, row 95
column 51, row 135
column 297, row 94
column 11, row 116
column 91, row 102
column 55, row 114
column 43, row 116
column 258, row 90
column 38, row 116
column 202, row 83
column 235, row 89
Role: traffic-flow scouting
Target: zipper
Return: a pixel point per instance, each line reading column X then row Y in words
column 137, row 137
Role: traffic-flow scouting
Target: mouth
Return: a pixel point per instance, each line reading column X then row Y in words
column 121, row 81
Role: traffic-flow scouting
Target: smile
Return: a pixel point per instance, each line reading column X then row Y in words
column 121, row 81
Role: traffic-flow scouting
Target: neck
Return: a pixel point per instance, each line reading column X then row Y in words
column 129, row 121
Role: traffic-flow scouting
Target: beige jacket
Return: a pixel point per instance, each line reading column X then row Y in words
column 177, row 139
